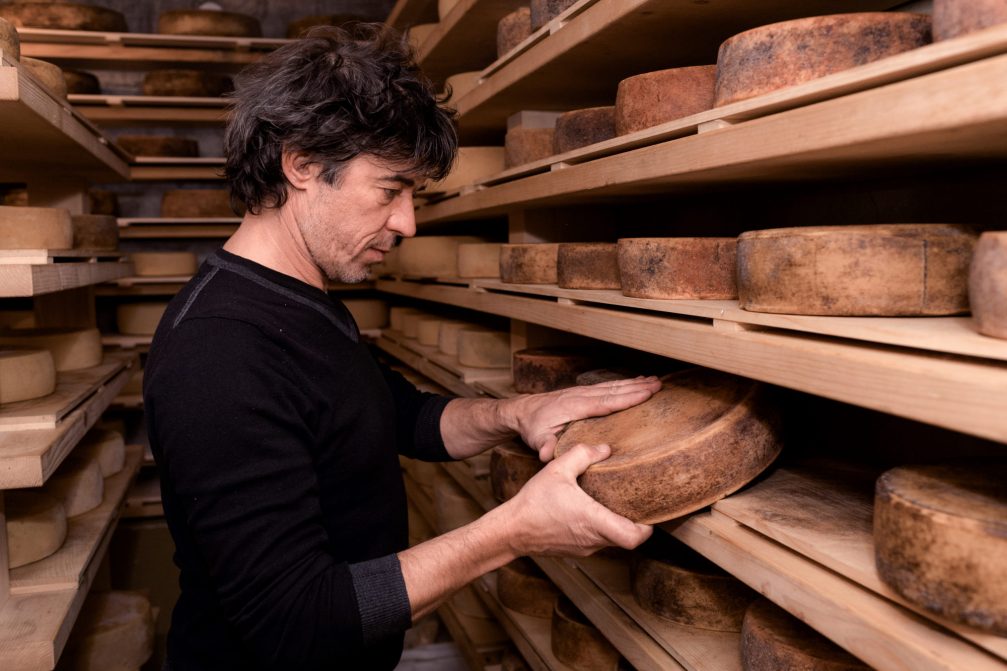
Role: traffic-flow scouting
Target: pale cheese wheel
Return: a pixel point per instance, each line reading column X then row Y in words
column 397, row 314
column 95, row 231
column 411, row 324
column 102, row 201
column 208, row 22
column 159, row 145
column 703, row 436
column 473, row 164
column 186, row 203
column 71, row 349
column 36, row 525
column 114, row 632
column 428, row 330
column 298, row 27
column 512, row 30
column 772, row 57
column 10, row 43
column 988, row 284
column 479, row 259
column 588, row 265
column 460, row 84
column 432, row 255
column 35, row 228
column 953, row 18
column 453, row 507
column 578, row 643
column 544, row 11
column 26, row 374
column 885, row 270
column 186, row 83
column 543, row 369
column 17, row 319
column 523, row 587
column 526, row 145
column 583, row 127
column 940, row 539
column 63, row 16
column 482, row 348
column 48, row 74
column 772, row 639
column 444, row 7
column 532, row 263
column 447, row 338
column 657, row 97
column 139, row 318
column 80, row 82
column 369, row 313
column 511, row 466
column 678, row 268
column 104, row 447
column 419, row 33
column 163, row 264
column 78, row 484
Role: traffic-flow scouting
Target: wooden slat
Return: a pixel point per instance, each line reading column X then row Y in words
column 439, row 375
column 17, row 280
column 153, row 115
column 162, row 173
column 408, row 13
column 126, row 341
column 177, row 231
column 466, row 374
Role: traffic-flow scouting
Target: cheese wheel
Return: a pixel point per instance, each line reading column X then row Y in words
column 10, row 43
column 878, row 271
column 397, row 314
column 47, row 74
column 577, row 643
column 158, row 145
column 479, row 259
column 418, row 34
column 580, row 128
column 458, row 85
column 512, row 30
column 772, row 639
column 411, row 324
column 428, row 330
column 163, row 264
column 95, row 231
column 988, row 284
column 71, row 349
column 473, row 164
column 447, row 337
column 78, row 81
column 657, row 97
column 78, row 484
column 369, row 313
column 444, row 7
column 114, row 632
column 779, row 55
column 527, row 145
column 678, row 268
column 533, row 263
column 953, row 18
column 940, row 539
column 36, row 525
column 544, row 369
column 544, row 11
column 26, row 374
column 63, row 16
column 104, row 447
column 187, row 83
column 208, row 22
column 35, row 228
column 453, row 507
column 511, row 466
column 298, row 27
column 468, row 604
column 482, row 348
column 17, row 319
column 600, row 375
column 139, row 318
column 523, row 587
column 389, row 265
column 432, row 255
column 703, row 436
column 588, row 265
column 196, row 203
column 103, row 202
column 513, row 661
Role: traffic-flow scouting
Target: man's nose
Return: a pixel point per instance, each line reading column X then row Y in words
column 403, row 219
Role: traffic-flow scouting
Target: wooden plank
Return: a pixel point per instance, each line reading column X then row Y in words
column 108, row 100
column 171, row 43
column 173, row 231
column 153, row 115
column 477, row 489
column 126, row 222
column 407, row 13
column 34, row 256
column 439, row 375
column 126, row 341
column 467, row 374
column 162, row 173
column 17, row 280
column 475, row 655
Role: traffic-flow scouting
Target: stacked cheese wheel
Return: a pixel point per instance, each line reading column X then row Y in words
column 772, row 639
column 396, row 317
column 115, row 630
column 47, row 74
column 579, row 128
column 35, row 228
column 678, row 268
column 458, row 85
column 544, row 369
column 36, row 525
column 447, row 336
column 163, row 264
column 208, row 22
column 78, row 484
column 71, row 349
column 511, row 466
column 186, row 83
column 653, row 98
column 533, row 263
column 577, row 643
column 588, row 265
column 80, row 82
column 95, row 231
column 196, row 203
column 432, row 255
column 479, row 259
column 988, row 284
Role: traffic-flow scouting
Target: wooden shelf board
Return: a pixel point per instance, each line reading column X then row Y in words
column 126, row 341
column 127, row 222
column 109, row 100
column 162, row 173
column 39, row 256
column 28, row 458
column 23, row 280
column 408, row 13
column 466, row 374
column 439, row 375
column 139, row 228
column 153, row 115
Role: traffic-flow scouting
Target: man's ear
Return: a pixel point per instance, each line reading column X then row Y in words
column 299, row 169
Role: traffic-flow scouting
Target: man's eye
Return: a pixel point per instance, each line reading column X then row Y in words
column 391, row 194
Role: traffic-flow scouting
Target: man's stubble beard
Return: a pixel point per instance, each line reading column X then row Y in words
column 335, row 273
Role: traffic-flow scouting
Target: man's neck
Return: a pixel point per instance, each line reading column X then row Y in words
column 272, row 239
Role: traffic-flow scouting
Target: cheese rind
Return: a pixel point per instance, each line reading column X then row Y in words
column 63, row 16
column 208, row 22
column 159, row 145
column 10, row 43
column 588, row 265
column 772, row 639
column 447, row 337
column 107, row 448
column 396, row 316
column 78, row 81
column 479, row 259
column 369, row 313
column 473, row 164
column 544, row 11
column 114, row 632
column 26, row 374
column 482, row 348
column 526, row 145
column 583, row 127
column 48, row 74
column 577, row 643
column 511, row 466
column 988, row 284
column 432, row 255
column 512, row 30
column 35, row 228
column 654, row 98
column 95, row 231
column 185, row 203
column 139, row 318
column 533, row 263
column 523, row 587
column 71, row 349
column 103, row 202
column 543, row 369
column 186, row 83
column 678, row 268
column 163, row 264
column 78, row 484
column 36, row 525
column 411, row 324
column 953, row 18
column 428, row 330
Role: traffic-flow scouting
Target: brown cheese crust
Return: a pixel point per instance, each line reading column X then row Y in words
column 577, row 643
column 526, row 145
column 678, row 268
column 665, row 95
column 511, row 466
column 953, row 18
column 988, row 284
column 159, row 145
column 188, row 203
column 529, row 263
column 588, row 265
column 208, row 22
column 523, row 587
column 95, row 231
column 187, row 83
column 544, row 369
column 772, row 639
column 580, row 128
column 63, row 16
column 544, row 11
column 78, row 81
column 512, row 30
column 48, row 74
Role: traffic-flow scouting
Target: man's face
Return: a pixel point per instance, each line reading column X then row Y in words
column 351, row 225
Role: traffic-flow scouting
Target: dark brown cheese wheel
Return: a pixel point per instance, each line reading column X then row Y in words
column 940, row 539
column 885, row 270
column 208, row 22
column 63, row 16
column 511, row 466
column 523, row 587
column 544, row 11
column 80, row 82
column 10, row 43
column 588, row 265
column 188, row 83
column 529, row 263
column 300, row 26
column 543, row 369
column 779, row 55
column 103, row 202
column 600, row 375
column 512, row 30
column 580, row 128
column 95, row 231
column 657, row 97
column 577, row 643
column 953, row 18
column 988, row 284
column 526, row 145
column 201, row 203
column 678, row 268
column 773, row 640
column 48, row 74
column 703, row 436
column 159, row 145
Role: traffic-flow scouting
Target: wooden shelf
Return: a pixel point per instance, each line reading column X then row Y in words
column 408, row 13
column 143, row 286
column 141, row 228
column 466, row 374
column 161, row 169
column 441, row 376
column 143, row 500
column 531, row 635
column 126, row 342
column 34, row 279
column 111, row 110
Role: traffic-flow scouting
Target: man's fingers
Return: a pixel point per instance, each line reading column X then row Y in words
column 579, row 458
column 548, row 449
column 622, row 531
column 598, row 406
column 622, row 383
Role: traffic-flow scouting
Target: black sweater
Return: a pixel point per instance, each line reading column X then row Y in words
column 276, row 436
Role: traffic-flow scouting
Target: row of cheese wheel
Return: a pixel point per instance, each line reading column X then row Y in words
column 113, row 632
column 473, row 345
column 23, row 227
column 31, row 357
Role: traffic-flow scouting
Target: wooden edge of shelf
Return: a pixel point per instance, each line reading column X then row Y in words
column 128, row 39
column 441, row 376
column 466, row 374
column 23, row 281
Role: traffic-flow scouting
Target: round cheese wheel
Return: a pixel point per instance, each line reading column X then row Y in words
column 63, row 16
column 527, row 145
column 657, row 97
column 114, row 632
column 17, row 319
column 298, row 27
column 418, row 34
column 26, row 374
column 35, row 228
column 208, row 22
column 523, row 587
column 163, row 264
column 428, row 330
column 411, row 324
column 533, row 263
column 542, row 369
column 158, row 145
column 36, row 525
column 472, row 165
column 458, row 85
column 453, row 507
column 78, row 484
column 703, row 436
column 95, row 231
column 48, row 74
column 78, row 81
column 588, row 265
column 772, row 639
column 988, row 284
column 104, row 447
column 103, row 202
column 187, row 83
column 940, row 538
column 482, row 348
column 512, row 30
column 432, row 255
column 139, row 318
column 580, row 128
column 678, row 268
column 600, row 375
column 779, row 55
column 444, row 7
column 397, row 314
column 511, row 466
column 71, row 349
column 468, row 604
column 196, row 203
column 479, row 259
column 880, row 270
column 10, row 43
column 447, row 337
column 544, row 11
column 953, row 18
column 577, row 643
column 369, row 313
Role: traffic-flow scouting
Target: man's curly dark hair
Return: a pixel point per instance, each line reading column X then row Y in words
column 334, row 94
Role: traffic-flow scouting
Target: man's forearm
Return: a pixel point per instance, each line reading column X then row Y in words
column 470, row 426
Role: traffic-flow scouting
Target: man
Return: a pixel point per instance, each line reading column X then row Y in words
column 276, row 432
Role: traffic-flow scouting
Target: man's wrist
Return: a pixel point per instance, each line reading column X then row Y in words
column 508, row 414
